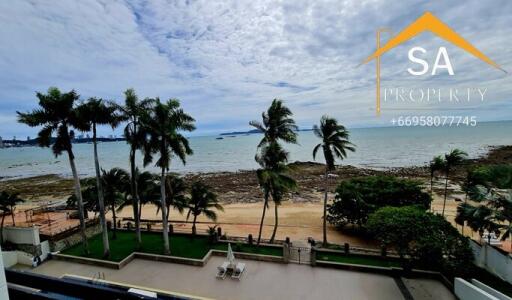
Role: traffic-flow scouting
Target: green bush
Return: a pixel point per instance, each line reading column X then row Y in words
column 357, row 198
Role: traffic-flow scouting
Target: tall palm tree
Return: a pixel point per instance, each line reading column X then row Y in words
column 335, row 144
column 132, row 111
column 92, row 113
column 8, row 202
column 202, row 201
column 162, row 127
column 277, row 125
column 452, row 159
column 57, row 114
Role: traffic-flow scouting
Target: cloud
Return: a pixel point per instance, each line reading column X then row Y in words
column 227, row 60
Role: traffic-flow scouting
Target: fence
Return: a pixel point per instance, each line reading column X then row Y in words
column 493, row 260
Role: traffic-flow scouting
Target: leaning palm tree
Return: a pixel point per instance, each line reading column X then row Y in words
column 335, row 144
column 132, row 111
column 278, row 179
column 92, row 113
column 57, row 114
column 202, row 201
column 452, row 159
column 8, row 202
column 162, row 127
column 277, row 125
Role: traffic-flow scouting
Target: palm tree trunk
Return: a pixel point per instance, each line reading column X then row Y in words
column 12, row 215
column 325, row 207
column 78, row 194
column 135, row 197
column 165, row 230
column 445, row 191
column 265, row 203
column 2, row 229
column 114, row 218
column 275, row 223
column 101, row 200
column 194, row 225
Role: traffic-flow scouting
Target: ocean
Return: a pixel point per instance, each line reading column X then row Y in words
column 377, row 148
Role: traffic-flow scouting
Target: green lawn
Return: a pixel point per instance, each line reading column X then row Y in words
column 357, row 259
column 152, row 242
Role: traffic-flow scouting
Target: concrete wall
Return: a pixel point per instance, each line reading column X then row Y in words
column 22, row 235
column 466, row 291
column 64, row 241
column 11, row 258
column 493, row 260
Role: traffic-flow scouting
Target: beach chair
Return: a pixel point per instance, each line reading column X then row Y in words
column 239, row 270
column 222, row 270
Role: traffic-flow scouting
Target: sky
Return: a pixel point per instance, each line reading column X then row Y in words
column 227, row 60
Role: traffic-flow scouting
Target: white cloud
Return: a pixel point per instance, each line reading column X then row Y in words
column 227, row 60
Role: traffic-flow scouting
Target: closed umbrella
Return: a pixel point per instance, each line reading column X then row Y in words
column 231, row 256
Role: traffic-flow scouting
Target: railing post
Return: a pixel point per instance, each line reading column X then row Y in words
column 313, row 256
column 286, row 253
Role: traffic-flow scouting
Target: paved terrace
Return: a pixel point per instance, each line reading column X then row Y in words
column 262, row 280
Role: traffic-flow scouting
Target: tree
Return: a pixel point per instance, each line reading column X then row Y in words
column 491, row 188
column 175, row 195
column 8, row 202
column 57, row 114
column 116, row 182
column 92, row 113
column 335, row 144
column 356, row 198
column 435, row 165
column 277, row 125
column 163, row 128
column 132, row 111
column 422, row 239
column 273, row 159
column 202, row 201
column 452, row 159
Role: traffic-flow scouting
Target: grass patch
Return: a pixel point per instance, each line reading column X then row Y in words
column 152, row 242
column 357, row 259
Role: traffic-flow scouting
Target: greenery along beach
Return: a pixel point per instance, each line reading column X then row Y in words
column 416, row 213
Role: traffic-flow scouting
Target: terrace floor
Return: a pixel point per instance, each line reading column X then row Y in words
column 262, row 280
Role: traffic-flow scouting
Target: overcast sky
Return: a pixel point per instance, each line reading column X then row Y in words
column 226, row 60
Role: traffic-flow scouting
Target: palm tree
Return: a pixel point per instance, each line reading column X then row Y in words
column 277, row 125
column 57, row 114
column 335, row 144
column 436, row 164
column 92, row 113
column 8, row 203
column 452, row 159
column 116, row 182
column 175, row 195
column 202, row 201
column 132, row 112
column 162, row 128
column 279, row 182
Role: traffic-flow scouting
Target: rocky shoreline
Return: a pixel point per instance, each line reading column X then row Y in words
column 242, row 186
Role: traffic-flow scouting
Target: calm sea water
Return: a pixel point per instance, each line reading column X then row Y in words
column 376, row 148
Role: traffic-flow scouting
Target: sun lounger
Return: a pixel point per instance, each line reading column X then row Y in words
column 239, row 270
column 222, row 270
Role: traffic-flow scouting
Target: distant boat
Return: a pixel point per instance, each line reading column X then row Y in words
column 219, row 138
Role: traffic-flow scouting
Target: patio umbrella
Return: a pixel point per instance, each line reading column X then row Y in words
column 231, row 256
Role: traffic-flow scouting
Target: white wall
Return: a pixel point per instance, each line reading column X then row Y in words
column 493, row 260
column 22, row 235
column 466, row 291
column 9, row 258
column 490, row 290
column 4, row 294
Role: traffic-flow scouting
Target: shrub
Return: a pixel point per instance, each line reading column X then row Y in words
column 357, row 198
